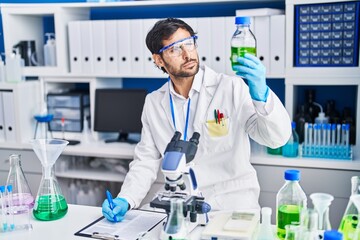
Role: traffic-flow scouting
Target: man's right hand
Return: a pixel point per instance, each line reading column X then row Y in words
column 121, row 206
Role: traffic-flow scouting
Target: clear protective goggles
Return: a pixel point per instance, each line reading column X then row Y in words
column 175, row 49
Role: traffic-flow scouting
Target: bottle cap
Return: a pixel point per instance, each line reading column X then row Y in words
column 332, row 235
column 292, row 175
column 293, row 125
column 266, row 211
column 242, row 20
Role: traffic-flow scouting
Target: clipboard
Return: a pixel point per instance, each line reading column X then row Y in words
column 135, row 223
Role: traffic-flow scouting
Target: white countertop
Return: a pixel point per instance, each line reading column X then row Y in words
column 77, row 217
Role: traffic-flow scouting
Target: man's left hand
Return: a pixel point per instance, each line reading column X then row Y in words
column 254, row 72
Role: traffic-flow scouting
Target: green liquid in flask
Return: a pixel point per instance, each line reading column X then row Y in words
column 287, row 214
column 240, row 52
column 50, row 207
column 348, row 226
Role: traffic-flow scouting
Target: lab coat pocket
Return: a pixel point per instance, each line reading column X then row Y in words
column 218, row 129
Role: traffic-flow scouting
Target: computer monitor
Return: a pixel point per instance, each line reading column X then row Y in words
column 119, row 110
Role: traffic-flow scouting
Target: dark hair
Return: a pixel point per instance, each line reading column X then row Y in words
column 162, row 30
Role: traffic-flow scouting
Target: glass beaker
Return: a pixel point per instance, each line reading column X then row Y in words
column 50, row 204
column 175, row 227
column 350, row 219
column 292, row 232
column 21, row 191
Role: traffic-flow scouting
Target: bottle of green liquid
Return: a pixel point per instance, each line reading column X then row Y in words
column 243, row 40
column 290, row 200
column 350, row 219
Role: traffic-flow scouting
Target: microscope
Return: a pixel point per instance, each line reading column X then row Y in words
column 176, row 167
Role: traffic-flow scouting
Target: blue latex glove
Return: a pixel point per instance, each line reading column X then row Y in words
column 254, row 72
column 117, row 214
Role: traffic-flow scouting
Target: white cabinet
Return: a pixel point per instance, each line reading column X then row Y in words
column 29, row 18
column 20, row 102
column 313, row 22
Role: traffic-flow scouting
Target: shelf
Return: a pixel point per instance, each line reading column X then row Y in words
column 92, row 174
column 318, row 81
column 132, row 3
column 102, row 149
column 273, row 160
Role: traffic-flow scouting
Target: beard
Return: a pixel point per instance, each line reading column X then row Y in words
column 180, row 72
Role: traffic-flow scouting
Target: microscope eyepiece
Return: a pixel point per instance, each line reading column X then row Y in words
column 195, row 138
column 176, row 136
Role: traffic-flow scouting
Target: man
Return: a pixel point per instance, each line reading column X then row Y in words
column 186, row 103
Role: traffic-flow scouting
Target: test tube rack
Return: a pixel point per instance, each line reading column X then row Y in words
column 331, row 141
column 325, row 151
column 14, row 217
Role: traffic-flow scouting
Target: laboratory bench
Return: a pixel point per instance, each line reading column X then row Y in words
column 77, row 218
column 317, row 175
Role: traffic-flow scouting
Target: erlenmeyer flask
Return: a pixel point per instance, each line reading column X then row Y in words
column 356, row 200
column 21, row 191
column 175, row 227
column 350, row 219
column 50, row 204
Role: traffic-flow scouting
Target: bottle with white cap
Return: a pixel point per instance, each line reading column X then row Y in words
column 266, row 230
column 50, row 50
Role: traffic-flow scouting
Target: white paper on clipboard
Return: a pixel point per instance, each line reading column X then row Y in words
column 134, row 223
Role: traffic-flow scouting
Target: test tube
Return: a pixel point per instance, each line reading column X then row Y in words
column 3, row 213
column 324, row 132
column 11, row 207
column 328, row 130
column 333, row 132
column 310, row 128
column 343, row 134
column 306, row 140
column 338, row 127
column 347, row 135
column 319, row 128
column 315, row 134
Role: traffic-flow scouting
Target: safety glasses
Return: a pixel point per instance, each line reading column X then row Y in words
column 175, row 49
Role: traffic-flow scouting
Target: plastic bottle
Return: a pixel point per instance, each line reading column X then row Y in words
column 290, row 200
column 265, row 232
column 50, row 50
column 2, row 70
column 243, row 40
column 290, row 149
column 14, row 65
column 321, row 119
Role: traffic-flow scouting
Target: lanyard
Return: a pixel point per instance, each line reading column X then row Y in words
column 173, row 113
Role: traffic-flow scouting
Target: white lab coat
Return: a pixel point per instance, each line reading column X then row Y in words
column 223, row 171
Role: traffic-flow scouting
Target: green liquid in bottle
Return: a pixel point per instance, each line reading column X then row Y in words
column 348, row 226
column 287, row 214
column 240, row 52
column 50, row 207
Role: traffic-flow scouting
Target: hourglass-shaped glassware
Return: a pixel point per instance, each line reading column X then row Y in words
column 50, row 203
